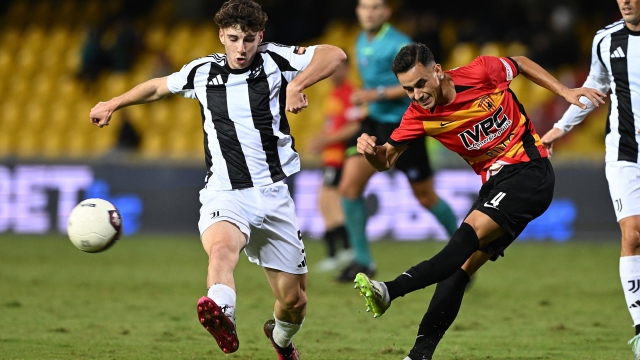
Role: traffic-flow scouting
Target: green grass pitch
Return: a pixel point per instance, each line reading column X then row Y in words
column 137, row 301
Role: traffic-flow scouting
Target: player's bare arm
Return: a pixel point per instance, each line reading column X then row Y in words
column 380, row 157
column 149, row 91
column 540, row 76
column 550, row 137
column 345, row 133
column 325, row 61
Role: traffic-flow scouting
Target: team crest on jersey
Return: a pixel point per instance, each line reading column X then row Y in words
column 486, row 102
column 486, row 130
column 300, row 50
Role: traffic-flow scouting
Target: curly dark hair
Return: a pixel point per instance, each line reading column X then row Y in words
column 247, row 14
column 410, row 55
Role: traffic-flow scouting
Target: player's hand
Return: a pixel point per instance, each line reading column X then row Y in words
column 296, row 101
column 361, row 96
column 367, row 145
column 100, row 114
column 550, row 137
column 573, row 96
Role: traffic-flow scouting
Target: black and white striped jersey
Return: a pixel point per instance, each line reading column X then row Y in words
column 615, row 65
column 247, row 141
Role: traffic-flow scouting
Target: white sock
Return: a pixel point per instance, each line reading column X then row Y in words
column 284, row 331
column 225, row 297
column 630, row 277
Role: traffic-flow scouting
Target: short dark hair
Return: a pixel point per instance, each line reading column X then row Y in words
column 247, row 14
column 410, row 55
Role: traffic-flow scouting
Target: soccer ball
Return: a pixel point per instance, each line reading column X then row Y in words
column 94, row 225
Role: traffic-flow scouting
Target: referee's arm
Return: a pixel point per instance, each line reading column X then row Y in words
column 148, row 91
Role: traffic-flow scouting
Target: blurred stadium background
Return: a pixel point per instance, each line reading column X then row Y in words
column 59, row 58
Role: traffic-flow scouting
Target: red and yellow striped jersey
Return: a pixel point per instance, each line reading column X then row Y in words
column 485, row 124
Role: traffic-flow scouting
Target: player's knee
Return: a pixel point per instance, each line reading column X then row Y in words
column 294, row 301
column 630, row 239
column 348, row 191
column 427, row 199
column 424, row 192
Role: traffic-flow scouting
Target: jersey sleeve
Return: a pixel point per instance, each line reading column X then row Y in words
column 499, row 70
column 291, row 60
column 181, row 82
column 598, row 79
column 411, row 128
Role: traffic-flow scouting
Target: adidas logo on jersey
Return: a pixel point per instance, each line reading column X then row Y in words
column 618, row 53
column 216, row 81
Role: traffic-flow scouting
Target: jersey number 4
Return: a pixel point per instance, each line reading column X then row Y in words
column 496, row 200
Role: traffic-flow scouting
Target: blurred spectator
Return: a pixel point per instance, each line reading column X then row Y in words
column 93, row 57
column 128, row 137
column 342, row 122
column 427, row 32
column 161, row 65
column 126, row 48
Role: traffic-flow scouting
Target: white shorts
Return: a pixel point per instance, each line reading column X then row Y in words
column 624, row 187
column 267, row 216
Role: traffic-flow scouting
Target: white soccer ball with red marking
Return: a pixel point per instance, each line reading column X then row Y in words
column 94, row 225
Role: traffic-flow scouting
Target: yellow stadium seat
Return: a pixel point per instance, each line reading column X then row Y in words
column 28, row 143
column 462, row 54
column 152, row 145
column 517, row 49
column 493, row 48
column 53, row 143
column 10, row 38
column 35, row 117
column 155, row 37
column 7, row 140
column 104, row 139
column 42, row 87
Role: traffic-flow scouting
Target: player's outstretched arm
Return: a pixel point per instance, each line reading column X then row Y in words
column 324, row 62
column 540, row 76
column 380, row 157
column 550, row 137
column 148, row 91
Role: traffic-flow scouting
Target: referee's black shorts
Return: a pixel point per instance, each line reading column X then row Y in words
column 513, row 197
column 414, row 161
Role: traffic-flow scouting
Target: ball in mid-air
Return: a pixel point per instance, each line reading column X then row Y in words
column 94, row 225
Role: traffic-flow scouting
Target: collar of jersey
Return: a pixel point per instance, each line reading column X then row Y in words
column 383, row 30
column 631, row 32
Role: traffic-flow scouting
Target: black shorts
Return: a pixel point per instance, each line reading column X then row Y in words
column 513, row 197
column 414, row 161
column 331, row 176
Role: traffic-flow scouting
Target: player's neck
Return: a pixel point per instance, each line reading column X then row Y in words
column 633, row 27
column 372, row 33
column 448, row 91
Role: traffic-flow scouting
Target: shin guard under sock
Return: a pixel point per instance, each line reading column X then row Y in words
column 441, row 266
column 443, row 309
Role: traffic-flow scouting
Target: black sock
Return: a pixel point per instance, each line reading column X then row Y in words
column 637, row 329
column 342, row 235
column 330, row 239
column 443, row 309
column 441, row 266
